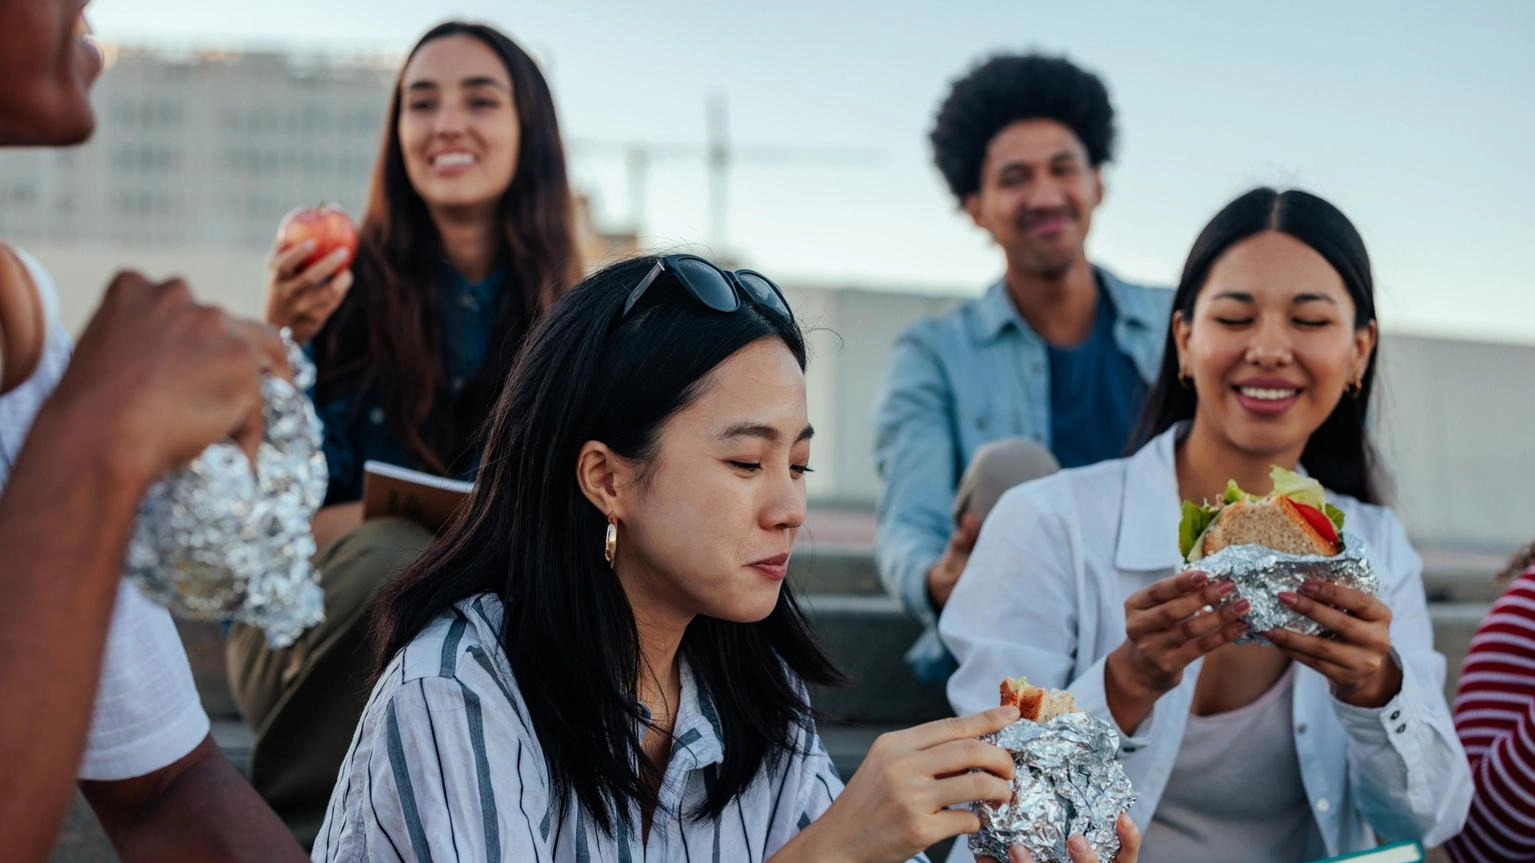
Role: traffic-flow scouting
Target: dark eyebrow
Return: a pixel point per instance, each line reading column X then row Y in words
column 765, row 432
column 483, row 81
column 1239, row 296
column 477, row 81
column 1312, row 298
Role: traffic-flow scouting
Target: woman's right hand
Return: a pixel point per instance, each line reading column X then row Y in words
column 1166, row 629
column 303, row 298
column 898, row 802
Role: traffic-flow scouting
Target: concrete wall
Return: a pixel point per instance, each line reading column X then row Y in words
column 1455, row 418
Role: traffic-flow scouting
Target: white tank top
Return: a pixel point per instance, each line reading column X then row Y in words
column 1235, row 790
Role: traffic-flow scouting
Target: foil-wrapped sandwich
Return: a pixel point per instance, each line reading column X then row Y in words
column 1066, row 782
column 1274, row 543
column 219, row 540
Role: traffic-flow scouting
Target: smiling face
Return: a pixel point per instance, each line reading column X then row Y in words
column 48, row 67
column 458, row 126
column 1271, row 346
column 708, row 525
column 1036, row 197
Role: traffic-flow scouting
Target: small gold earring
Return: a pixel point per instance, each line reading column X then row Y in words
column 610, row 542
column 1357, row 387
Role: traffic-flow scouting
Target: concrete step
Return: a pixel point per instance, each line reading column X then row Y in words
column 1448, row 575
column 867, row 636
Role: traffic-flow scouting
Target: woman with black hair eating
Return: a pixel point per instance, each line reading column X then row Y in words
column 1321, row 746
column 600, row 659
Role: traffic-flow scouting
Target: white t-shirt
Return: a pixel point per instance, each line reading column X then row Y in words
column 147, row 713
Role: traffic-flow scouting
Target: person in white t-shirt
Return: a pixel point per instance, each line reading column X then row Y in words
column 155, row 379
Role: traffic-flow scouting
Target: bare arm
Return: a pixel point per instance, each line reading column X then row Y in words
column 154, row 380
column 335, row 521
column 198, row 808
column 59, row 586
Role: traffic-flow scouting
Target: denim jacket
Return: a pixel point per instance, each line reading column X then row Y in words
column 952, row 384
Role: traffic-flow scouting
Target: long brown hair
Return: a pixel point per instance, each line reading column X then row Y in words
column 386, row 337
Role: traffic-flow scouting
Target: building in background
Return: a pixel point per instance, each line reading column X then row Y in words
column 203, row 149
column 208, row 150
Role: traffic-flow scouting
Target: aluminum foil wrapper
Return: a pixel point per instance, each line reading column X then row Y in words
column 1260, row 573
column 1067, row 783
column 215, row 541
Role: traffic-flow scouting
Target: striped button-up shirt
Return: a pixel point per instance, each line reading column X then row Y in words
column 445, row 765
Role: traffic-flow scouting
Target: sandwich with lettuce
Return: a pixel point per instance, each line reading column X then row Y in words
column 1295, row 518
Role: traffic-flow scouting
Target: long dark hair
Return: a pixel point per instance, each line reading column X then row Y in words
column 1339, row 453
column 531, row 537
column 387, row 337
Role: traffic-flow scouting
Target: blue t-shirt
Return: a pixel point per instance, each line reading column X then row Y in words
column 1095, row 395
column 355, row 433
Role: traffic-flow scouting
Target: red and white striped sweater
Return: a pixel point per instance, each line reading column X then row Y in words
column 1495, row 717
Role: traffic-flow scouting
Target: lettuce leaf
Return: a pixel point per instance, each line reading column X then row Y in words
column 1301, row 489
column 1195, row 519
column 1335, row 514
column 1234, row 494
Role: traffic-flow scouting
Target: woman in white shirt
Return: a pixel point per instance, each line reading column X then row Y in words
column 1311, row 749
column 601, row 659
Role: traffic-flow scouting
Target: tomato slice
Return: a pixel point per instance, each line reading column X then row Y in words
column 1319, row 520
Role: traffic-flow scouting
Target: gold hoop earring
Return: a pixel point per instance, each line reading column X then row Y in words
column 610, row 542
column 1357, row 387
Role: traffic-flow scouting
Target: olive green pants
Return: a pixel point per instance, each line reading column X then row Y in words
column 304, row 701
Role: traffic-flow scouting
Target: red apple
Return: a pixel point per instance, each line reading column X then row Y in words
column 327, row 225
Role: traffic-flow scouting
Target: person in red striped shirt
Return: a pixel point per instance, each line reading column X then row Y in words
column 1495, row 718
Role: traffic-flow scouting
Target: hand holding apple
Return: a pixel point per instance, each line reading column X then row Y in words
column 307, row 274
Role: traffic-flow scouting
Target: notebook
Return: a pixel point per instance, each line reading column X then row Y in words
column 1397, row 852
column 391, row 490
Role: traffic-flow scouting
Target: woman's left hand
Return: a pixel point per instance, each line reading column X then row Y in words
column 1357, row 661
column 1081, row 852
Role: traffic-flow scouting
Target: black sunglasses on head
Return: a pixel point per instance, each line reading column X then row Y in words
column 716, row 288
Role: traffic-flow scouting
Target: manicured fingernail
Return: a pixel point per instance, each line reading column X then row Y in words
column 1288, row 598
column 1243, row 626
column 1005, row 712
column 1242, row 606
column 1198, row 579
column 1310, row 587
column 1077, row 844
column 1225, row 587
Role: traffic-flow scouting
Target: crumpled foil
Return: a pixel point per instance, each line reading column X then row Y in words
column 1067, row 782
column 215, row 541
column 1260, row 573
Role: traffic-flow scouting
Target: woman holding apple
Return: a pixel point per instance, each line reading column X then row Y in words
column 466, row 239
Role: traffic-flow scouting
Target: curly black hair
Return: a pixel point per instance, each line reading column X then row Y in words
column 1010, row 87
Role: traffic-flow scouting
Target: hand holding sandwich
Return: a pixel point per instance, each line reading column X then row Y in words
column 1166, row 628
column 1357, row 660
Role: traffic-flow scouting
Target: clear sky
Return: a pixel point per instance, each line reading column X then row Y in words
column 1417, row 119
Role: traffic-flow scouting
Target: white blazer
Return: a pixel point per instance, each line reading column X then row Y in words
column 1044, row 594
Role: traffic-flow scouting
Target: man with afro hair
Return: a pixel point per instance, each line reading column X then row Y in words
column 1048, row 367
